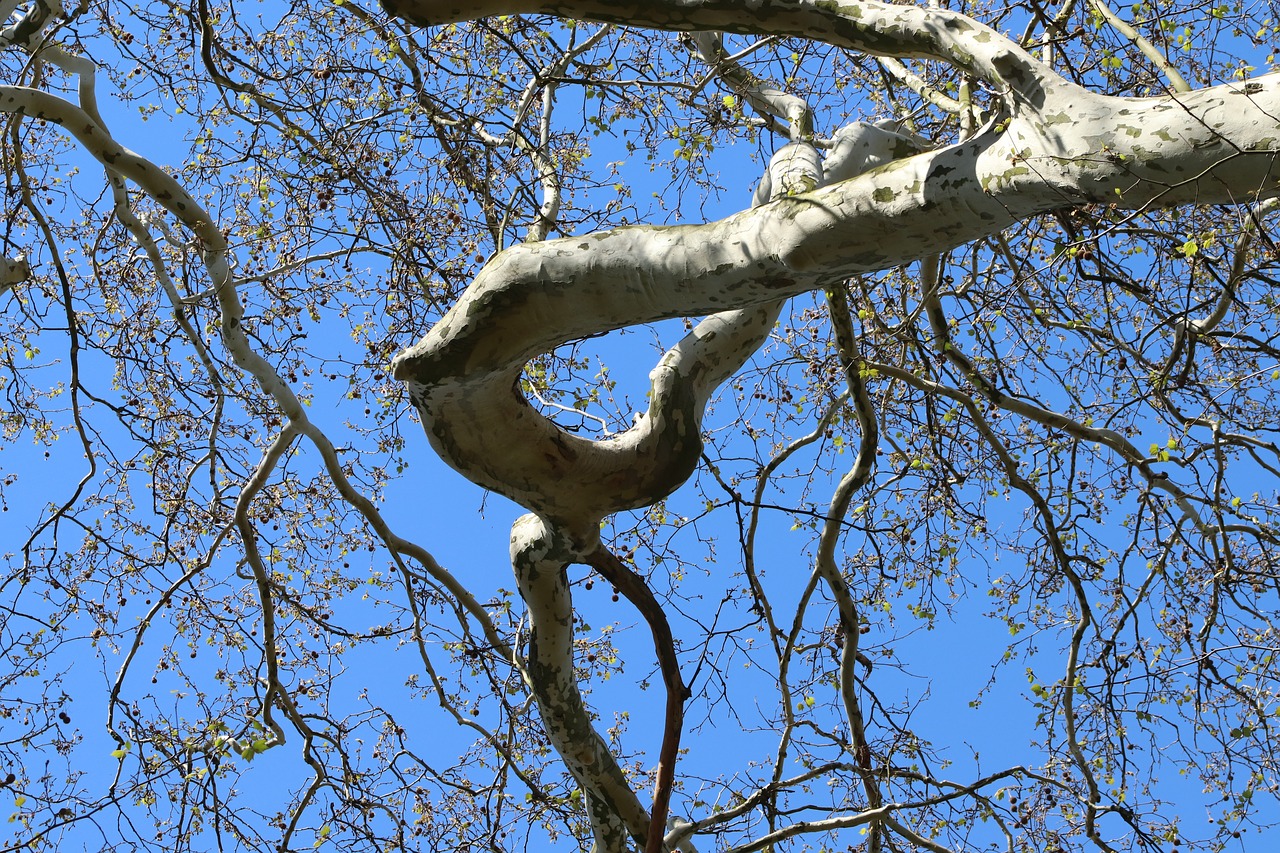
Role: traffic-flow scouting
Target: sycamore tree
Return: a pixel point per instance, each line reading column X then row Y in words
column 953, row 317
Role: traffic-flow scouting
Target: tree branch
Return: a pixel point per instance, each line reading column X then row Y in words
column 539, row 556
column 635, row 589
column 1211, row 146
column 877, row 28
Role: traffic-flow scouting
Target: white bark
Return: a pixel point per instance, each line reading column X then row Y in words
column 869, row 26
column 13, row 271
column 860, row 147
column 1211, row 146
column 869, row 206
column 539, row 555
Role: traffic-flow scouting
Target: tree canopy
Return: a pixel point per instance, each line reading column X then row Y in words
column 955, row 318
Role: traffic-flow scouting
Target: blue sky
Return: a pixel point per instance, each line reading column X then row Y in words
column 948, row 660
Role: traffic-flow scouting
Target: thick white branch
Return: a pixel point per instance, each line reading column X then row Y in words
column 869, row 26
column 540, row 556
column 1212, row 146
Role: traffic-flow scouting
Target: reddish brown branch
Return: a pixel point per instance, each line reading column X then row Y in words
column 631, row 585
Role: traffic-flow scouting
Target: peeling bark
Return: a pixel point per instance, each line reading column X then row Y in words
column 540, row 556
column 1216, row 145
column 874, row 204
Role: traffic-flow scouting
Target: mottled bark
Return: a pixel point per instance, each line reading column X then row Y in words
column 1051, row 145
column 1216, row 145
column 540, row 556
column 880, row 29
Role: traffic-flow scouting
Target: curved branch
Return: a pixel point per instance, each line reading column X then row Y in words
column 638, row 593
column 1211, row 146
column 825, row 562
column 870, row 26
column 486, row 429
column 539, row 556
